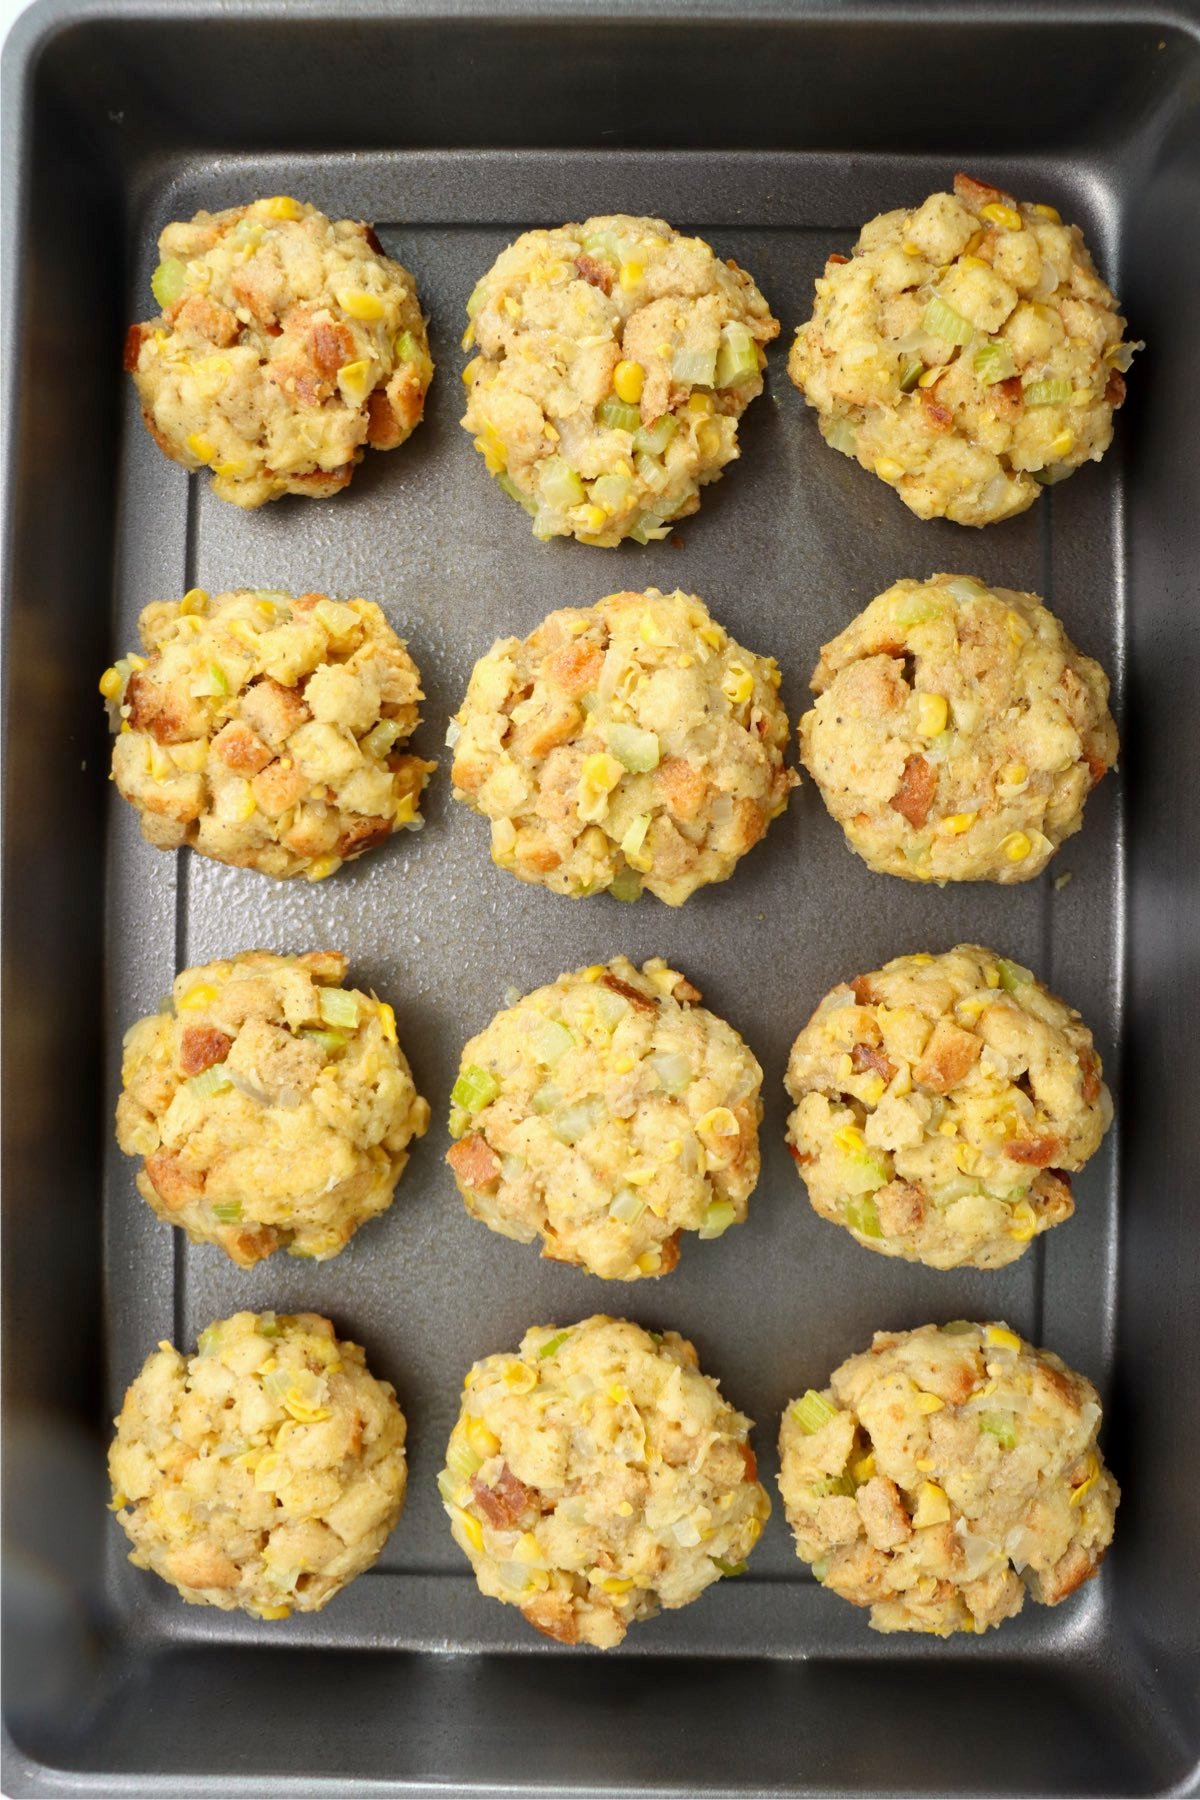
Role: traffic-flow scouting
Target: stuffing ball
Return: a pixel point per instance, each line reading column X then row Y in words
column 944, row 1472
column 968, row 353
column 631, row 745
column 957, row 732
column 266, row 731
column 939, row 1104
column 608, row 1114
column 286, row 343
column 272, row 1107
column 263, row 1473
column 597, row 1476
column 615, row 360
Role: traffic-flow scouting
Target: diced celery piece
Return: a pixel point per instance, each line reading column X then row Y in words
column 166, row 1003
column 559, row 487
column 942, row 321
column 209, row 1081
column 861, row 1173
column 674, row 1070
column 601, row 243
column 1001, row 1426
column 653, row 439
column 554, row 1344
column 478, row 293
column 1012, row 975
column 1055, row 392
column 574, row 1122
column 461, row 1461
column 229, row 1212
column 957, row 1327
column 627, row 1208
column 728, row 1568
column 719, row 1215
column 447, row 1486
column 695, row 368
column 209, row 1341
column 916, row 850
column 211, row 681
column 505, row 481
column 812, row 1411
column 550, row 1043
column 648, row 528
column 547, row 1099
column 917, row 609
column 626, row 884
column 267, row 1325
column 965, row 589
column 338, row 1007
column 474, row 1089
column 613, row 492
column 861, row 1215
column 329, row 1041
column 407, row 349
column 618, row 416
column 993, row 362
column 638, row 750
column 169, row 281
column 737, row 357
column 831, row 1484
column 910, row 374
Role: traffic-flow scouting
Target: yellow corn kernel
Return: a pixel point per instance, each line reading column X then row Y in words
column 929, row 377
column 700, row 403
column 909, row 248
column 1088, row 1483
column 1013, row 774
column 467, row 338
column 888, row 469
column 194, row 601
column 971, row 262
column 243, row 805
column 737, row 684
column 594, row 972
column 924, row 1463
column 511, row 306
column 111, row 684
column 932, row 714
column 850, row 1139
column 617, row 1393
column 519, row 1378
column 245, row 633
column 708, row 438
column 472, row 369
column 929, row 1403
column 1047, row 212
column 717, row 1125
column 202, row 448
column 406, row 809
column 631, row 274
column 201, row 995
column 955, row 824
column 549, row 433
column 625, row 1510
column 594, row 518
column 282, row 1611
column 295, row 1404
column 1016, row 846
column 527, row 1549
column 614, row 1584
column 601, row 771
column 323, row 867
column 1018, row 631
column 629, row 378
column 483, row 1442
column 948, row 1129
column 355, row 380
column 1001, row 1338
column 972, row 1006
column 387, row 1022
column 872, row 1090
column 1007, row 217
column 265, row 1471
column 360, row 305
column 992, row 976
column 280, row 206
column 933, row 1508
column 864, row 1468
column 967, row 1158
column 471, row 1527
column 650, row 1263
column 921, row 958
column 1063, row 444
column 624, row 1065
column 1024, row 1225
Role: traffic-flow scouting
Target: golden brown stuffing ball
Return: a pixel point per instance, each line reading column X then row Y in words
column 944, row 1473
column 597, row 1477
column 608, row 1113
column 615, row 360
column 272, row 1107
column 287, row 343
column 266, row 731
column 263, row 1473
column 957, row 732
column 967, row 352
column 939, row 1104
column 631, row 745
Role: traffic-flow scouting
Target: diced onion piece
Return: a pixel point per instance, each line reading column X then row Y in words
column 559, row 487
column 694, row 368
column 574, row 1122
column 550, row 1042
column 627, row 1207
column 648, row 528
column 841, row 435
column 612, row 492
column 728, row 1568
column 674, row 1070
column 211, row 682
column 547, row 1099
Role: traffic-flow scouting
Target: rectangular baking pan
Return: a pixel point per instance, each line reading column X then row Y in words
column 774, row 130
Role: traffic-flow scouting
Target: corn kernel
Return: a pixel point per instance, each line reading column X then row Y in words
column 202, row 448
column 406, row 809
column 1018, row 631
column 947, row 1129
column 737, row 684
column 932, row 714
column 708, row 438
column 1088, row 1483
column 632, row 273
column 472, row 369
column 1024, row 1225
column 850, row 1139
column 280, row 206
column 629, row 378
column 549, row 433
column 602, row 771
column 888, row 469
column 864, row 1468
column 355, row 380
column 624, row 1065
column 1007, row 217
column 1047, row 212
column 700, row 403
column 1063, row 444
column 322, row 867
column 360, row 305
column 1001, row 1338
column 111, row 684
column 971, row 262
column 613, row 1584
column 929, row 377
column 625, row 1510
column 1013, row 774
column 387, row 1022
column 650, row 1263
column 483, row 1442
column 712, row 635
column 909, row 248
column 472, row 1529
column 201, row 995
column 282, row 1611
column 1016, row 846
column 933, row 1508
column 194, row 601
column 594, row 518
column 992, row 976
column 929, row 1403
column 955, row 824
column 872, row 1090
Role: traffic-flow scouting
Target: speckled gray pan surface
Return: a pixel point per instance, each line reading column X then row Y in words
column 786, row 548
